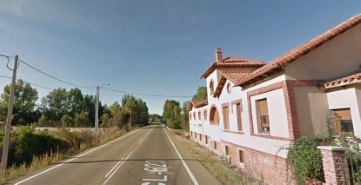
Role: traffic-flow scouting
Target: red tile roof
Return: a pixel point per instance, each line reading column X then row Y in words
column 231, row 76
column 234, row 77
column 352, row 79
column 198, row 103
column 278, row 64
column 232, row 62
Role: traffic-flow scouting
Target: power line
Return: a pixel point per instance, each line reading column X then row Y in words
column 7, row 57
column 55, row 78
column 85, row 87
column 142, row 94
column 34, row 84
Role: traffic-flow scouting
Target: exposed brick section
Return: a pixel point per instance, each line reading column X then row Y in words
column 335, row 166
column 290, row 100
column 270, row 168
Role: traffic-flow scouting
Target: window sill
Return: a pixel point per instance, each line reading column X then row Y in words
column 268, row 136
column 234, row 132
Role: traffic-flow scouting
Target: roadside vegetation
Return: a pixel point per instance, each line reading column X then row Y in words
column 62, row 109
column 225, row 173
column 32, row 150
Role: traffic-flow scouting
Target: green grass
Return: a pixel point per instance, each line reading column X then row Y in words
column 225, row 173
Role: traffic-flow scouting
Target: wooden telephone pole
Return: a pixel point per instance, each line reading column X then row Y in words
column 4, row 158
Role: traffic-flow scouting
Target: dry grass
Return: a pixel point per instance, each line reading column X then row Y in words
column 225, row 173
column 46, row 160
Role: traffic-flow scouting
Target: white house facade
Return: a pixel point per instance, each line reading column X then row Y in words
column 254, row 109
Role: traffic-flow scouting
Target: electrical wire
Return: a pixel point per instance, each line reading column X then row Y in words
column 79, row 86
column 53, row 77
column 34, row 84
column 142, row 94
column 7, row 57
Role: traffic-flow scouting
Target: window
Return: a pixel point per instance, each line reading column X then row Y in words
column 262, row 116
column 205, row 115
column 226, row 117
column 226, row 150
column 211, row 87
column 206, row 139
column 215, row 145
column 199, row 115
column 194, row 116
column 241, row 156
column 343, row 122
column 239, row 117
column 214, row 116
column 229, row 88
column 200, row 137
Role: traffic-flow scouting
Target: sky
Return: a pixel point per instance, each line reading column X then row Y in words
column 152, row 47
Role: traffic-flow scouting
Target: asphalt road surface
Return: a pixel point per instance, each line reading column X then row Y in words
column 148, row 156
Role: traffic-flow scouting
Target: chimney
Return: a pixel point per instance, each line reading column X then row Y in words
column 219, row 54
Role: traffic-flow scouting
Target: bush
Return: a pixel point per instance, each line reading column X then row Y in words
column 28, row 144
column 305, row 160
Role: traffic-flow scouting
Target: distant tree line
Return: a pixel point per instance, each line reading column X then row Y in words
column 176, row 116
column 70, row 108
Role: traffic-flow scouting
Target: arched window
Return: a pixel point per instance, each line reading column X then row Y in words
column 214, row 116
column 211, row 86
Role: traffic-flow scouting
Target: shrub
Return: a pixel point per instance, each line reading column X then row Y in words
column 28, row 144
column 305, row 160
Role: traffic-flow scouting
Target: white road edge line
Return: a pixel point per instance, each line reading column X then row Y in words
column 73, row 158
column 122, row 162
column 195, row 182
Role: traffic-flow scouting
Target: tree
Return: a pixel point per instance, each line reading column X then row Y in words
column 185, row 116
column 115, row 108
column 137, row 109
column 89, row 107
column 24, row 105
column 81, row 119
column 55, row 104
column 201, row 93
column 76, row 101
column 171, row 113
column 66, row 121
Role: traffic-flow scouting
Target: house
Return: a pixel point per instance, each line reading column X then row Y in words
column 254, row 109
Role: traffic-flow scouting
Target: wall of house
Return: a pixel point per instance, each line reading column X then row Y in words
column 312, row 110
column 347, row 98
column 196, row 124
column 276, row 110
column 333, row 59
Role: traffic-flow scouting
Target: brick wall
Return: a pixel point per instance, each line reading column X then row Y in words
column 270, row 168
column 335, row 165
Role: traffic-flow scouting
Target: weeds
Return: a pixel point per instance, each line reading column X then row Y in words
column 69, row 143
column 225, row 173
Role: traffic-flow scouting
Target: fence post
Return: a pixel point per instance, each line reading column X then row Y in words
column 335, row 165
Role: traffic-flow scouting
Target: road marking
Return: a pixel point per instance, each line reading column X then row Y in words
column 38, row 174
column 122, row 162
column 195, row 182
column 156, row 167
column 114, row 168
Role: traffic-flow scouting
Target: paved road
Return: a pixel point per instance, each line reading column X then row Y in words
column 149, row 156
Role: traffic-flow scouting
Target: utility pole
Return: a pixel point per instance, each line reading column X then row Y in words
column 96, row 111
column 4, row 158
